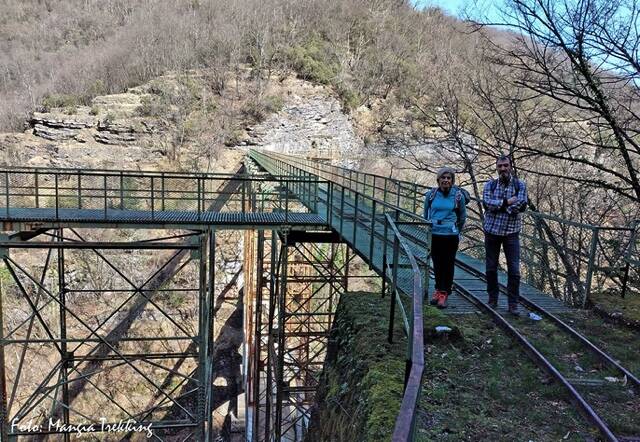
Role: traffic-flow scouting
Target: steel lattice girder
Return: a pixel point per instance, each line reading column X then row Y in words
column 296, row 296
column 96, row 350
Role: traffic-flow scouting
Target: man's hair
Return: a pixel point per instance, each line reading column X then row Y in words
column 503, row 157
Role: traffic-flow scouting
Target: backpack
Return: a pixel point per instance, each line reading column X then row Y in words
column 462, row 195
column 516, row 187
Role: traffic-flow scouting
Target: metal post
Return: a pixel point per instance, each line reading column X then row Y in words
column 104, row 182
column 121, row 191
column 329, row 201
column 384, row 266
column 315, row 195
column 6, row 191
column 37, row 190
column 286, row 201
column 415, row 197
column 198, row 197
column 373, row 232
column 341, row 208
column 625, row 279
column 79, row 190
column 162, row 190
column 384, row 198
column 153, row 206
column 57, row 199
column 244, row 195
column 592, row 257
column 394, row 285
column 355, row 220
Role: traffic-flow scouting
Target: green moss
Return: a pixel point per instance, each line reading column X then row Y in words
column 385, row 387
column 362, row 382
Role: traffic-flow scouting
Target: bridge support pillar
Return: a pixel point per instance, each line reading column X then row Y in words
column 297, row 287
column 97, row 333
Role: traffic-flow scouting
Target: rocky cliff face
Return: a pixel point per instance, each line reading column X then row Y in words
column 311, row 123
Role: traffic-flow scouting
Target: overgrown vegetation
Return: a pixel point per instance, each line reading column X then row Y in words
column 483, row 387
column 361, row 385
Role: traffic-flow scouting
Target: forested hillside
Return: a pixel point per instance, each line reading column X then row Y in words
column 556, row 88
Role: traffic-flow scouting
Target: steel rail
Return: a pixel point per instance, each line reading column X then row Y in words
column 603, row 356
column 582, row 405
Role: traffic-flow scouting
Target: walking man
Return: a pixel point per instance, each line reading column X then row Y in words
column 504, row 199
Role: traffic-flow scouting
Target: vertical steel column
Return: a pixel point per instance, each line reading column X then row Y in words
column 65, row 357
column 209, row 325
column 282, row 294
column 4, row 413
column 273, row 290
column 203, row 308
column 257, row 369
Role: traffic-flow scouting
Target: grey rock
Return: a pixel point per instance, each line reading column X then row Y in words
column 116, row 128
column 114, row 139
column 51, row 120
column 54, row 134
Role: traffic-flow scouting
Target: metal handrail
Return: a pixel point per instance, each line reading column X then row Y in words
column 579, row 270
column 405, row 422
column 153, row 192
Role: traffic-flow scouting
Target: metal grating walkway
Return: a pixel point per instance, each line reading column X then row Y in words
column 161, row 218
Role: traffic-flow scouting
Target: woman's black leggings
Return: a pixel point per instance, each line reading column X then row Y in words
column 443, row 254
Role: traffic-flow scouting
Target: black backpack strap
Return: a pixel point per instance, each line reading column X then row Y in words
column 430, row 197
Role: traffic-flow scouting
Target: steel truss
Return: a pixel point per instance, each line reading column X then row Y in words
column 80, row 355
column 299, row 280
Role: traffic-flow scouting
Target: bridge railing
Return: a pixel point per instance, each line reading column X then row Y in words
column 395, row 242
column 566, row 259
column 105, row 191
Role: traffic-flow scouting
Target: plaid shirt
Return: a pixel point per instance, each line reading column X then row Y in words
column 500, row 218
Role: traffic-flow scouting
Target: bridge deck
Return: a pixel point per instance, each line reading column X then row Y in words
column 161, row 219
column 367, row 229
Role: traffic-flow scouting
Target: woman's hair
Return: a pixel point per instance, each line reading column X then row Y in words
column 444, row 170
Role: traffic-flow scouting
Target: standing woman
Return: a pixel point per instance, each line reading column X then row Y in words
column 445, row 207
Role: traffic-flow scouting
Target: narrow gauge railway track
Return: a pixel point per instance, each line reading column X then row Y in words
column 604, row 404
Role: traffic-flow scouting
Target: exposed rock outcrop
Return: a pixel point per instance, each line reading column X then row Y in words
column 114, row 138
column 311, row 123
column 62, row 121
column 56, row 134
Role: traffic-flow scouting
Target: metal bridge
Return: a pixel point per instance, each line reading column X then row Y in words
column 303, row 221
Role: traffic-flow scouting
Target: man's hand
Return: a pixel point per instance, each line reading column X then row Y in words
column 512, row 200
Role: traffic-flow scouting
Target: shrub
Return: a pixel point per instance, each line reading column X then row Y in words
column 314, row 61
column 53, row 101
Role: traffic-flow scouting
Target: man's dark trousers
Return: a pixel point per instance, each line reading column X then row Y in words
column 511, row 245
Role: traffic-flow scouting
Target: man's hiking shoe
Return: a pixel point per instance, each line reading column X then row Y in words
column 435, row 297
column 513, row 310
column 442, row 300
